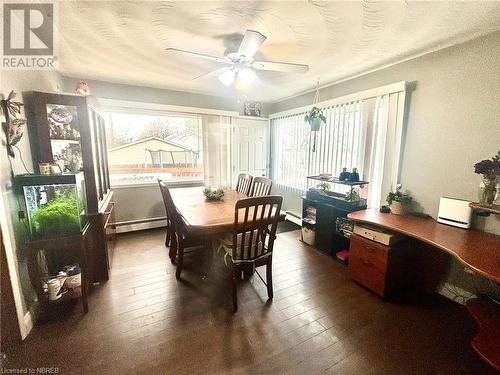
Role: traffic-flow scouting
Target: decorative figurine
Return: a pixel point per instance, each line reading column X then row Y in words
column 344, row 175
column 82, row 88
column 354, row 176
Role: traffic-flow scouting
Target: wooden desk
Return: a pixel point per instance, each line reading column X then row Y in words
column 478, row 250
column 204, row 217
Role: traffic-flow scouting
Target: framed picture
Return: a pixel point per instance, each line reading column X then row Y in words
column 253, row 109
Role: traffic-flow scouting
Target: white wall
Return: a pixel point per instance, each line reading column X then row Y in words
column 118, row 91
column 13, row 230
column 453, row 123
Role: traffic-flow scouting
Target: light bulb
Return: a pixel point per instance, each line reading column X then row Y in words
column 227, row 78
column 245, row 77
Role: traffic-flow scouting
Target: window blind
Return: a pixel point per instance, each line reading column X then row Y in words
column 363, row 132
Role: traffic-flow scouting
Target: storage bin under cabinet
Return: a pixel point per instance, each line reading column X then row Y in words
column 68, row 130
column 382, row 269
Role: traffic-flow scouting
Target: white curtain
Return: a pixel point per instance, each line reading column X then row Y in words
column 383, row 139
column 217, row 150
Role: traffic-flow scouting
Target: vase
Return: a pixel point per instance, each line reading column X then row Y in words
column 488, row 191
column 399, row 208
column 315, row 124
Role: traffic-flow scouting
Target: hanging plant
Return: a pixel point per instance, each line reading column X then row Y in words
column 315, row 118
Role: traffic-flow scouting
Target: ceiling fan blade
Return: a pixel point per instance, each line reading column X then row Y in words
column 251, row 43
column 200, row 55
column 280, row 67
column 213, row 73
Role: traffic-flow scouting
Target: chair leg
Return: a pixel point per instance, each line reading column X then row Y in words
column 234, row 280
column 180, row 260
column 167, row 239
column 269, row 277
column 173, row 248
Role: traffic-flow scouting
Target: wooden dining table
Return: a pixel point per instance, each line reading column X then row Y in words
column 204, row 217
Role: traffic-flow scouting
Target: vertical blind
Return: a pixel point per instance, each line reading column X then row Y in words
column 364, row 133
column 338, row 145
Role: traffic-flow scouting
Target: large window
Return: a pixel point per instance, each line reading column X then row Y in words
column 362, row 131
column 144, row 147
column 337, row 145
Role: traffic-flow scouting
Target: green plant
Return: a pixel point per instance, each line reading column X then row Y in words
column 213, row 193
column 58, row 217
column 352, row 196
column 398, row 196
column 323, row 186
column 315, row 113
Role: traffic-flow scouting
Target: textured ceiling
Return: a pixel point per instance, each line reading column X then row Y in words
column 125, row 41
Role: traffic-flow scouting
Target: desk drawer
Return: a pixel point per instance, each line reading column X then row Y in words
column 370, row 251
column 368, row 274
column 368, row 263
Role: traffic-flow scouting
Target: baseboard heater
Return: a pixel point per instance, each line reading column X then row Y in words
column 140, row 224
column 294, row 217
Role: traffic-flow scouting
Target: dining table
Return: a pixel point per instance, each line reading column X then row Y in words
column 204, row 217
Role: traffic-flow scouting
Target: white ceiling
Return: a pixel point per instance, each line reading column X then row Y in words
column 125, row 41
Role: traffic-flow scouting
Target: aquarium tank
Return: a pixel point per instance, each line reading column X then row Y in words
column 55, row 204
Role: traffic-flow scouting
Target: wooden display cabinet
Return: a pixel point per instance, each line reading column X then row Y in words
column 67, row 130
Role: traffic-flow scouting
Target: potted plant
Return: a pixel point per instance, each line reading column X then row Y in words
column 490, row 169
column 398, row 201
column 315, row 118
column 324, row 186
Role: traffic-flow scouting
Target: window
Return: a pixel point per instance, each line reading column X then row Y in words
column 337, row 145
column 144, row 147
column 363, row 131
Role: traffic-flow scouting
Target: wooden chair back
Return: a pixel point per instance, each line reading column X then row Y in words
column 261, row 186
column 165, row 196
column 255, row 223
column 174, row 218
column 244, row 183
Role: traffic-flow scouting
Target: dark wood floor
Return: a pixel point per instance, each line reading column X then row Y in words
column 143, row 321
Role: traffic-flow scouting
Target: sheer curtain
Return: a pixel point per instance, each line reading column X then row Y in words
column 363, row 132
column 217, row 150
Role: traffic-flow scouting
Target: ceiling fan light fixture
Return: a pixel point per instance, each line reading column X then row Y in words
column 227, row 78
column 245, row 78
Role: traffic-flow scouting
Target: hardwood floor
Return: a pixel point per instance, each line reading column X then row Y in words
column 143, row 321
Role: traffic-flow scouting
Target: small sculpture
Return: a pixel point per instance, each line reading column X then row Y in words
column 82, row 88
column 344, row 175
column 354, row 175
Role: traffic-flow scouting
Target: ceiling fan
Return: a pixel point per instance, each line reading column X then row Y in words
column 239, row 61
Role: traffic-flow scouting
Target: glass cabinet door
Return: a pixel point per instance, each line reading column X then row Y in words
column 64, row 135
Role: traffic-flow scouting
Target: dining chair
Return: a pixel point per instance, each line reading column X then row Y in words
column 244, row 183
column 180, row 242
column 169, row 225
column 261, row 186
column 252, row 239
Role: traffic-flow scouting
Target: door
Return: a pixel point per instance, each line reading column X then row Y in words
column 251, row 145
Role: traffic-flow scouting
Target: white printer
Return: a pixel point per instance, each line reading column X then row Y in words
column 455, row 212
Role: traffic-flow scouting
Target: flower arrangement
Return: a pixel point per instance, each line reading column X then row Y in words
column 212, row 193
column 490, row 169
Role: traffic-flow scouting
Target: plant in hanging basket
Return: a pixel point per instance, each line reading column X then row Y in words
column 315, row 117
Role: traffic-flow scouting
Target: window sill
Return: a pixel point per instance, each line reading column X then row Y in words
column 145, row 184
